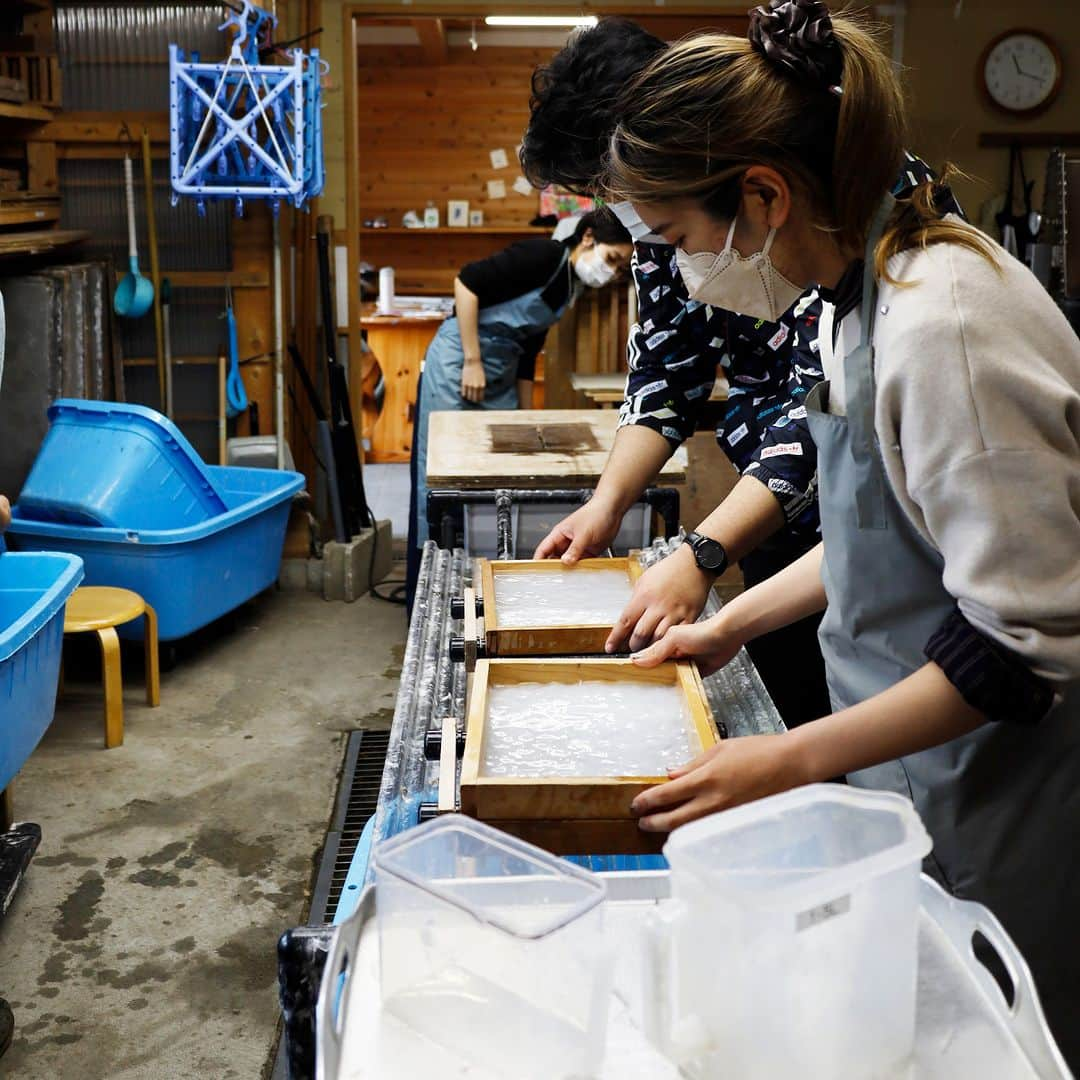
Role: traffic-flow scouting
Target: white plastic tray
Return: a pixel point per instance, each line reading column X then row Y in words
column 964, row 1027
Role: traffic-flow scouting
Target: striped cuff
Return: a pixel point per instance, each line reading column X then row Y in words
column 989, row 678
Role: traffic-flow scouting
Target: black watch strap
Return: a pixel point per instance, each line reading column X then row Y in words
column 709, row 554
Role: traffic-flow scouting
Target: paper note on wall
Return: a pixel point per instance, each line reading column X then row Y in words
column 496, row 189
column 523, row 187
column 499, row 160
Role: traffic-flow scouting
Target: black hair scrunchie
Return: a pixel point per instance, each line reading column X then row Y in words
column 797, row 35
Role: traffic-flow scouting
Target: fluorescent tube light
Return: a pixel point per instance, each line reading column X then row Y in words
column 540, row 20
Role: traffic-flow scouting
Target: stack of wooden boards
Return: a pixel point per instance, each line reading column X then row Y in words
column 563, row 668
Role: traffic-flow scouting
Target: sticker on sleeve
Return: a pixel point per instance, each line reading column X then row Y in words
column 659, row 338
column 798, row 413
column 648, row 267
column 738, row 435
column 786, row 449
column 815, row 916
column 778, row 338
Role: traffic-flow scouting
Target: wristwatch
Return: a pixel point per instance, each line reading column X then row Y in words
column 709, row 554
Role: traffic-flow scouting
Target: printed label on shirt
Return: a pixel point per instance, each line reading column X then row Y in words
column 648, row 267
column 658, row 339
column 717, row 343
column 786, row 449
column 798, row 413
column 778, row 338
column 822, row 913
column 738, row 435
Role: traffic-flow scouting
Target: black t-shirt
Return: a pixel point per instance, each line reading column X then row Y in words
column 520, row 268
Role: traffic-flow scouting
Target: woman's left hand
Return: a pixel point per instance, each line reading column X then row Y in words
column 732, row 772
column 5, row 513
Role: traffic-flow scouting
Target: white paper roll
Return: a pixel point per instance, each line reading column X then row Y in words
column 386, row 290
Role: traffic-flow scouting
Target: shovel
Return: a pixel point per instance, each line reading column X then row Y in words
column 134, row 294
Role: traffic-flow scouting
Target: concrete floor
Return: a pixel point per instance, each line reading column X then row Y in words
column 142, row 942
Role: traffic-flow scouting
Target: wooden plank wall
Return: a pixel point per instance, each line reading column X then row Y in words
column 424, row 134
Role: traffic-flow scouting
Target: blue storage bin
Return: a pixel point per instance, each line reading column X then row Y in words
column 33, row 592
column 190, row 576
column 123, row 466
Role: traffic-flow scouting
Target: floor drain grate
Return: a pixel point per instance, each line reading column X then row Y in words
column 358, row 796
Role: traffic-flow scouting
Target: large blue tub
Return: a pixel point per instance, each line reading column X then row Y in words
column 112, row 464
column 33, row 592
column 190, row 576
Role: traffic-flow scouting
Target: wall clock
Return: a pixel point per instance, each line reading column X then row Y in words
column 1020, row 72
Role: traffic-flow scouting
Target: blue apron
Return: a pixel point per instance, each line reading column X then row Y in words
column 503, row 330
column 1003, row 803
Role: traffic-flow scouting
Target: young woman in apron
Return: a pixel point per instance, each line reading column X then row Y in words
column 545, row 277
column 948, row 435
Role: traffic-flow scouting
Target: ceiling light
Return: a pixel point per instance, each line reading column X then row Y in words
column 540, row 20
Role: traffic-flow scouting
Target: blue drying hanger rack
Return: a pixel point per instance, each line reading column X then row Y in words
column 243, row 129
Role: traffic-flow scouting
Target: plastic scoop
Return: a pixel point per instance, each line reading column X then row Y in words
column 134, row 293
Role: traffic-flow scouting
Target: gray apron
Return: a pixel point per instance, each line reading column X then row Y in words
column 503, row 330
column 1001, row 804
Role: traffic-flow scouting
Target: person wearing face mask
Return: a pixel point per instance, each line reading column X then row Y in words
column 763, row 336
column 947, row 429
column 484, row 355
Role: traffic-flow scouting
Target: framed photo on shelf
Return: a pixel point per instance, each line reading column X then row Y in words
column 457, row 213
column 476, row 219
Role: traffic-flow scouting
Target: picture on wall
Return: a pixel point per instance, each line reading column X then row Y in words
column 457, row 213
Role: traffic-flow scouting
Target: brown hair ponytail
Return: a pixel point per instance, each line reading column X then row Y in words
column 813, row 96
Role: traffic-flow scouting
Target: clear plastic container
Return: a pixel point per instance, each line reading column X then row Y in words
column 792, row 950
column 494, row 948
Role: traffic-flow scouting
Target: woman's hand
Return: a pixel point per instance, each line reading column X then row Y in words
column 5, row 513
column 712, row 643
column 473, row 380
column 731, row 773
column 671, row 592
column 587, row 531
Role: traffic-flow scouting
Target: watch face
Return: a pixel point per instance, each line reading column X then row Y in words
column 1020, row 72
column 709, row 554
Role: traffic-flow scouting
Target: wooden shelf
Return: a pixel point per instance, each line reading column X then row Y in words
column 38, row 242
column 445, row 230
column 178, row 361
column 34, row 114
column 28, row 208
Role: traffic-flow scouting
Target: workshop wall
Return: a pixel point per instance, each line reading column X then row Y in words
column 948, row 111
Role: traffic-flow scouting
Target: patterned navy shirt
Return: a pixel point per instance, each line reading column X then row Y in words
column 673, row 355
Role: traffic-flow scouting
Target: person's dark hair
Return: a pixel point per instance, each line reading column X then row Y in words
column 573, row 99
column 606, row 228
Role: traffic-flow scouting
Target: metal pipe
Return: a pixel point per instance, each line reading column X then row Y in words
column 279, row 346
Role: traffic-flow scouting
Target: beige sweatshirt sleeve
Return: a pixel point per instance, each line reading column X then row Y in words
column 978, row 414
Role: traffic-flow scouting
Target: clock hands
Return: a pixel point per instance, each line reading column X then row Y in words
column 1025, row 74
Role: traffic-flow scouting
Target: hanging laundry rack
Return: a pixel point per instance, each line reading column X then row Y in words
column 243, row 129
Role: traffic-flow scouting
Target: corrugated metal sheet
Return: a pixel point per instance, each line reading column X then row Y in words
column 115, row 55
column 93, row 198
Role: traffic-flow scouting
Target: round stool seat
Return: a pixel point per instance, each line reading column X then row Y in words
column 95, row 607
column 98, row 609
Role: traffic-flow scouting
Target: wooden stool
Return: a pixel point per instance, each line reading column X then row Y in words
column 92, row 608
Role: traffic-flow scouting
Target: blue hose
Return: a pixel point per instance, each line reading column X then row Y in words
column 235, row 394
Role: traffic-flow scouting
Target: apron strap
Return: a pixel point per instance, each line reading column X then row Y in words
column 859, row 392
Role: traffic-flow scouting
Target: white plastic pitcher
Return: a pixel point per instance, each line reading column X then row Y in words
column 791, row 950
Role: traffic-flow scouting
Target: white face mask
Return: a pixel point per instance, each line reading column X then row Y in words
column 750, row 286
column 637, row 228
column 593, row 270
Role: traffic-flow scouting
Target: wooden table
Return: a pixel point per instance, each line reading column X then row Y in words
column 527, row 448
column 609, row 388
column 398, row 343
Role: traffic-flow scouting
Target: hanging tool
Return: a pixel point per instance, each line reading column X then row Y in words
column 166, row 303
column 1018, row 231
column 134, row 293
column 355, row 510
column 155, row 265
column 236, row 396
column 223, row 406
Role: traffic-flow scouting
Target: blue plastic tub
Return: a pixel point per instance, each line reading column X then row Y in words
column 33, row 592
column 190, row 576
column 123, row 466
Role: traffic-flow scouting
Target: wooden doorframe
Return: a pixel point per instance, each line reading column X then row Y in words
column 353, row 13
